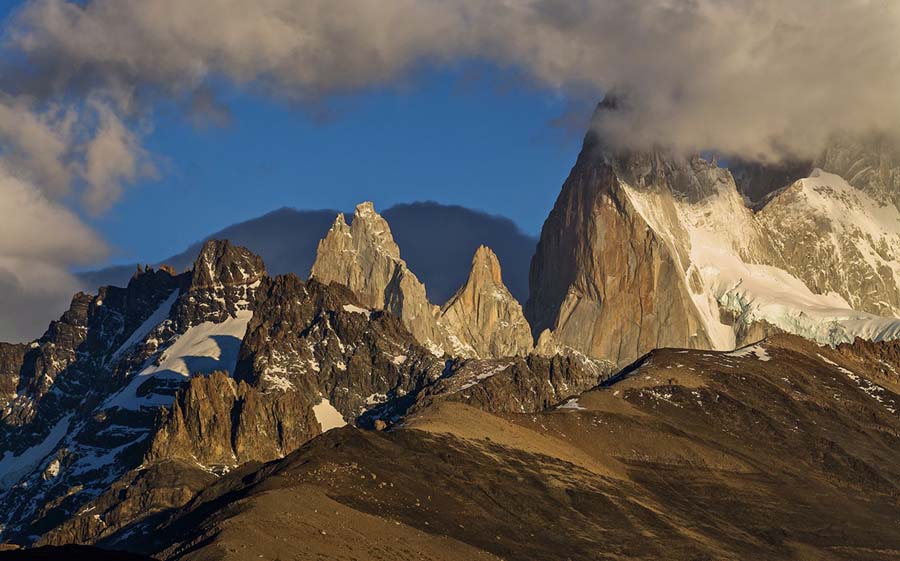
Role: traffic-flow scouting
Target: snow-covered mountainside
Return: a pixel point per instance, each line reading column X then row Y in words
column 648, row 250
column 741, row 274
column 139, row 397
column 837, row 238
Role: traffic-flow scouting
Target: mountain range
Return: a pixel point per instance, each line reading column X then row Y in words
column 438, row 241
column 703, row 365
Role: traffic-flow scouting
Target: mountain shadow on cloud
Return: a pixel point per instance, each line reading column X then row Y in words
column 437, row 241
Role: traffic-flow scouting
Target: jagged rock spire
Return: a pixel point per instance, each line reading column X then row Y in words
column 485, row 314
column 364, row 257
column 482, row 319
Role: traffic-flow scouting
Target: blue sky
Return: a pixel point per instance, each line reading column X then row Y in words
column 470, row 135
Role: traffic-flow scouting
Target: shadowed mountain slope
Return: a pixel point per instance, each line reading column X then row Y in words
column 781, row 450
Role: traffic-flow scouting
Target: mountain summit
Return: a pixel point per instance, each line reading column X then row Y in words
column 481, row 320
column 653, row 249
column 484, row 312
column 364, row 257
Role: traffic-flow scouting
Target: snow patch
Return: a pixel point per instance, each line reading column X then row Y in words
column 484, row 375
column 13, row 467
column 278, row 382
column 357, row 310
column 157, row 317
column 757, row 350
column 202, row 349
column 826, row 361
column 327, row 416
column 572, row 404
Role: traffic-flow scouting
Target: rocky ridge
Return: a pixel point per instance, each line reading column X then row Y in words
column 786, row 440
column 195, row 375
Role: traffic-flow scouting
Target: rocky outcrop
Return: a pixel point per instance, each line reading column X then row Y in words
column 513, row 385
column 219, row 423
column 485, row 315
column 364, row 257
column 319, row 341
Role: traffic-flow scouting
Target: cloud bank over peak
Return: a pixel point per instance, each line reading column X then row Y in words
column 758, row 79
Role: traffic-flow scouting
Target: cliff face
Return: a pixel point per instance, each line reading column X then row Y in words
column 485, row 314
column 221, row 423
column 606, row 281
column 364, row 257
column 481, row 320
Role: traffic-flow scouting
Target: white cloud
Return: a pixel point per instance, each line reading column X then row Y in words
column 755, row 78
column 35, row 146
column 748, row 76
column 113, row 156
column 39, row 241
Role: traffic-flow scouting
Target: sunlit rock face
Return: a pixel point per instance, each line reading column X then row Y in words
column 654, row 249
column 481, row 320
column 364, row 257
column 485, row 314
